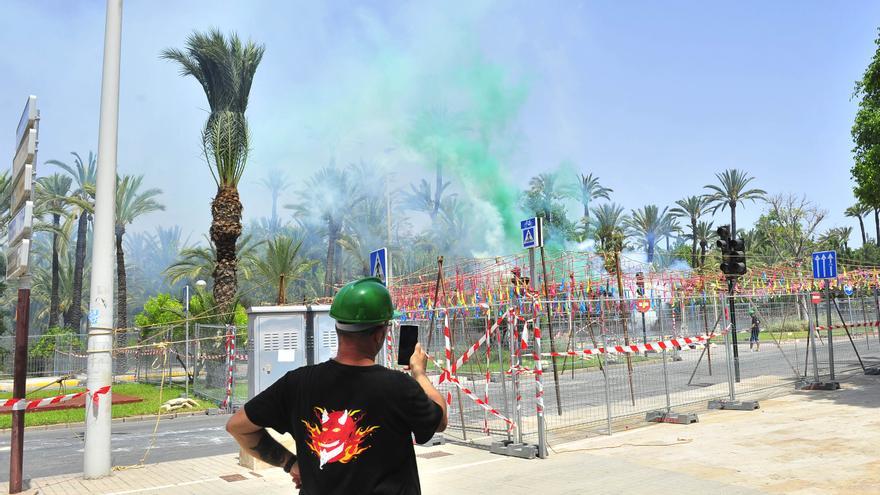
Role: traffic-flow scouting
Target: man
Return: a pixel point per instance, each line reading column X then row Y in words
column 353, row 420
column 756, row 331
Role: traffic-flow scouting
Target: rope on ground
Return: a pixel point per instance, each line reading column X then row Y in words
column 163, row 366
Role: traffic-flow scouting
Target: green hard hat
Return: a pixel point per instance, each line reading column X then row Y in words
column 751, row 311
column 362, row 305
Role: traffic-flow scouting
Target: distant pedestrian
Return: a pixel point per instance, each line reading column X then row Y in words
column 755, row 340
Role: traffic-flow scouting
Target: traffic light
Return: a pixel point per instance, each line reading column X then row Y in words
column 737, row 259
column 733, row 254
column 640, row 283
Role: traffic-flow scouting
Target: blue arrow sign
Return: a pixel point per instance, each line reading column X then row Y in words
column 379, row 265
column 824, row 264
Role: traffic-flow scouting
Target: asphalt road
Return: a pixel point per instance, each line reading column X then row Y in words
column 60, row 451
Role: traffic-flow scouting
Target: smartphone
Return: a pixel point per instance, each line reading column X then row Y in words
column 406, row 343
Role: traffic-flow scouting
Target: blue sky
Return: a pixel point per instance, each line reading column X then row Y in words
column 653, row 97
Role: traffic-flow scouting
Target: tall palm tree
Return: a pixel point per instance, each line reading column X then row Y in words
column 52, row 192
column 281, row 257
column 585, row 190
column 691, row 208
column 649, row 223
column 859, row 210
column 84, row 174
column 431, row 132
column 131, row 203
column 225, row 68
column 608, row 221
column 329, row 197
column 731, row 192
column 276, row 182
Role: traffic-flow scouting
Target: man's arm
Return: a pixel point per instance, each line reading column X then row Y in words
column 417, row 364
column 256, row 440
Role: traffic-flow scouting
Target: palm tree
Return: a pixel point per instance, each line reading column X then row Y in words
column 649, row 224
column 329, row 197
column 859, row 210
column 275, row 181
column 131, row 203
column 609, row 221
column 225, row 68
column 84, row 174
column 198, row 262
column 543, row 193
column 731, row 192
column 585, row 190
column 5, row 193
column 431, row 132
column 281, row 258
column 52, row 192
column 691, row 208
column 705, row 236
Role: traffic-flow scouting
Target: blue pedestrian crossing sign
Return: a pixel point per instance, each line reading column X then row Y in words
column 825, row 264
column 379, row 266
column 532, row 232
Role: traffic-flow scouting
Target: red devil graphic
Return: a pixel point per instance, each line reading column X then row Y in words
column 337, row 438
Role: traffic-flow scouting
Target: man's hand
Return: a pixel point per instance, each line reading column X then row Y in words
column 418, row 362
column 294, row 473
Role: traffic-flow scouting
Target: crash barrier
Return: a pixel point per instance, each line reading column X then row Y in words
column 680, row 356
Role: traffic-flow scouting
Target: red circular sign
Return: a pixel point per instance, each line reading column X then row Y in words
column 815, row 298
column 643, row 305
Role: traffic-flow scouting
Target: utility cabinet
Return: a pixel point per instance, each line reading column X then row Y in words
column 284, row 338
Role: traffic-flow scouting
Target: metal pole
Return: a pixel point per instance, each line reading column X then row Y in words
column 605, row 368
column 644, row 333
column 830, row 331
column 100, row 361
column 811, row 343
column 514, row 376
column 503, row 379
column 550, row 333
column 731, row 287
column 186, row 349
column 730, row 387
column 666, row 382
column 19, row 384
column 865, row 319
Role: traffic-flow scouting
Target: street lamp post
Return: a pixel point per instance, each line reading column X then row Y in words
column 200, row 285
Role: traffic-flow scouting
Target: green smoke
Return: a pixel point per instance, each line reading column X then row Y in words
column 471, row 139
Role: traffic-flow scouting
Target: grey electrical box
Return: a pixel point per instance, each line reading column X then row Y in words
column 284, row 338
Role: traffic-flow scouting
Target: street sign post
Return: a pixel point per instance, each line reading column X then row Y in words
column 825, row 264
column 21, row 209
column 815, row 297
column 380, row 266
column 21, row 224
column 825, row 268
column 23, row 188
column 532, row 232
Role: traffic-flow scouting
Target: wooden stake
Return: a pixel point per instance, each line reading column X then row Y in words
column 623, row 315
column 550, row 331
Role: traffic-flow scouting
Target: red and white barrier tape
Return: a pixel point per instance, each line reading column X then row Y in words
column 635, row 348
column 446, row 376
column 30, row 404
column 852, row 325
column 539, row 372
column 482, row 340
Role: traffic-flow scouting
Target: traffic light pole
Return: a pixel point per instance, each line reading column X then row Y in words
column 731, row 288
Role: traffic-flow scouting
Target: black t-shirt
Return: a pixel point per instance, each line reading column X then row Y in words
column 353, row 426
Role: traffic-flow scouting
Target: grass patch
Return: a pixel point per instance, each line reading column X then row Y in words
column 150, row 404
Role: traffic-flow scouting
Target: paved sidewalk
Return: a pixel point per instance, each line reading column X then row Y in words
column 804, row 443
